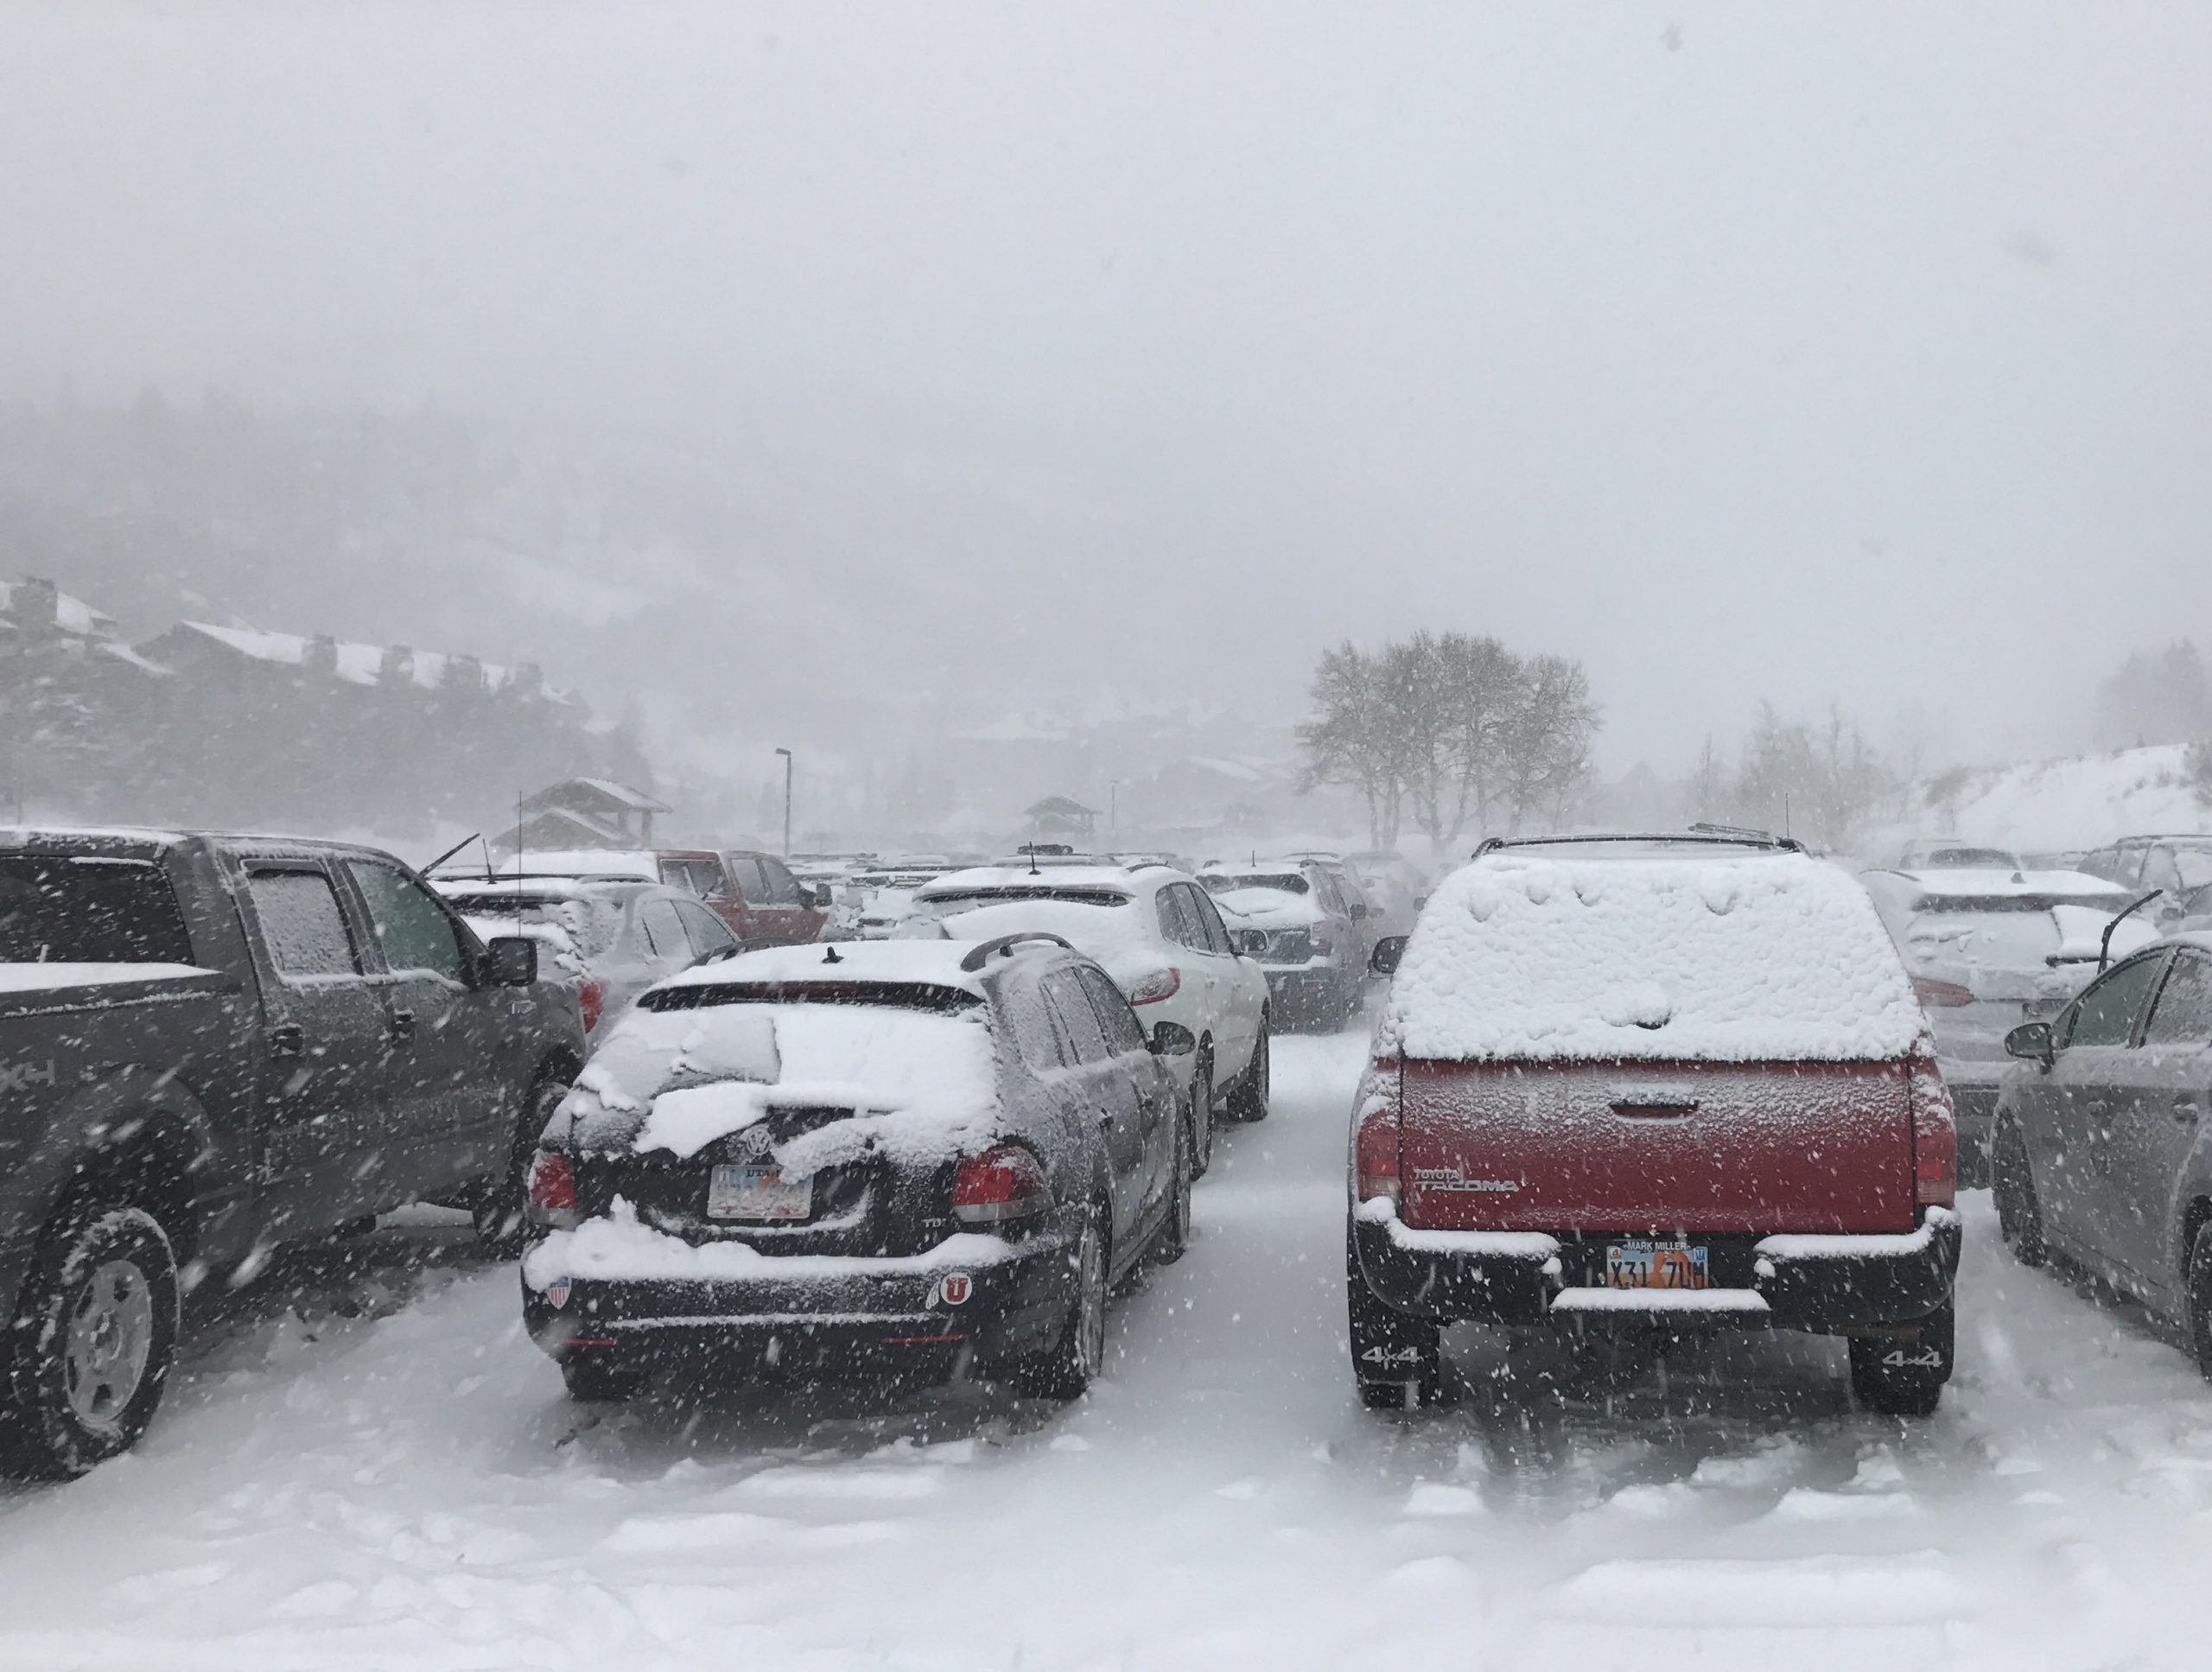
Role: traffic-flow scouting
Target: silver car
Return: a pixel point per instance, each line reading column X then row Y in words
column 613, row 939
column 1989, row 949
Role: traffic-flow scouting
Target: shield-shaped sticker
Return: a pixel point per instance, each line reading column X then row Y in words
column 556, row 1294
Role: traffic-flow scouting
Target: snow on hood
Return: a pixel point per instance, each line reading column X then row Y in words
column 1773, row 958
column 922, row 1085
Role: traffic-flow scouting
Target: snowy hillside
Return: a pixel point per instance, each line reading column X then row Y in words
column 2052, row 805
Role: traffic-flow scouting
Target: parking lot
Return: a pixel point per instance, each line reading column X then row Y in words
column 365, row 1464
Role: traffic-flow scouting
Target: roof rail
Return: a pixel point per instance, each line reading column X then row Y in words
column 1005, row 946
column 1706, row 836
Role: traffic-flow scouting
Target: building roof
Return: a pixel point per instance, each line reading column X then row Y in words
column 1065, row 806
column 357, row 664
column 72, row 614
column 622, row 794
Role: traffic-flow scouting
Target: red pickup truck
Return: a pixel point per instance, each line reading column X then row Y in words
column 1656, row 1084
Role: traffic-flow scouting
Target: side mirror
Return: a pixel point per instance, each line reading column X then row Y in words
column 1251, row 943
column 511, row 961
column 2032, row 1042
column 1172, row 1040
column 1356, row 910
column 1383, row 961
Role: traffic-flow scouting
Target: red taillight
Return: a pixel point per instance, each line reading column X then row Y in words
column 1159, row 984
column 1375, row 1148
column 1005, row 1182
column 591, row 998
column 552, row 1183
column 1942, row 995
column 1934, row 1136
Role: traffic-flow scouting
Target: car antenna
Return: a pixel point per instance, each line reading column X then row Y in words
column 830, row 956
column 1033, row 871
column 2104, row 950
column 487, row 864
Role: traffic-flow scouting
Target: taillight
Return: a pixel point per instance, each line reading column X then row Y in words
column 1005, row 1182
column 1942, row 995
column 1934, row 1136
column 1159, row 984
column 1374, row 1150
column 552, row 1184
column 591, row 998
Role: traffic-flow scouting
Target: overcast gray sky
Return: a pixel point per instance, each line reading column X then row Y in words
column 1749, row 350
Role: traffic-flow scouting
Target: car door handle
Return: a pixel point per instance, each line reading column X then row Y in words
column 288, row 1040
column 403, row 1027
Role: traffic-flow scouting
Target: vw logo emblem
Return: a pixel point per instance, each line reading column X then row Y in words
column 754, row 1141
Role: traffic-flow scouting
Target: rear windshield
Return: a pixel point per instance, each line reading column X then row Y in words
column 84, row 910
column 2022, row 935
column 1226, row 882
column 877, row 995
column 589, row 925
column 966, row 899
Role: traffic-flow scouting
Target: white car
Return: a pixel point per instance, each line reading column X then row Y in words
column 1156, row 932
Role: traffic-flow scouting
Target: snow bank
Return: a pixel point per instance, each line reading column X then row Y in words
column 2049, row 806
column 1775, row 958
column 924, row 1086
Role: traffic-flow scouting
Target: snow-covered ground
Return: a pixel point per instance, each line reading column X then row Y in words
column 366, row 1465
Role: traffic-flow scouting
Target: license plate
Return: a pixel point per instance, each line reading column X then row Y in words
column 1655, row 1263
column 746, row 1191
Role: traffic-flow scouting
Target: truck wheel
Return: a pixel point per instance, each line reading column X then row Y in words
column 1065, row 1369
column 94, row 1336
column 2012, row 1182
column 1894, row 1376
column 1398, row 1360
column 1249, row 1101
column 591, row 1380
column 496, row 1206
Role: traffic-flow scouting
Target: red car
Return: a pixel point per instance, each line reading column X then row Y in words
column 754, row 894
column 1656, row 1084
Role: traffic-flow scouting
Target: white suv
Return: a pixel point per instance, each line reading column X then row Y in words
column 1159, row 935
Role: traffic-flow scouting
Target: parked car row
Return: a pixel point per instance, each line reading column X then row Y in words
column 754, row 894
column 213, row 1045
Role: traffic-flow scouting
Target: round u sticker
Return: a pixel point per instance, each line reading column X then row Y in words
column 954, row 1288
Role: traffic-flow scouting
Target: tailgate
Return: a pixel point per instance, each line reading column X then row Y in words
column 1657, row 1146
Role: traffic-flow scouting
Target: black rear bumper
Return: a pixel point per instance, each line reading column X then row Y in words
column 916, row 1317
column 1821, row 1284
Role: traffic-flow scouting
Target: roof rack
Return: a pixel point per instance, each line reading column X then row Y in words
column 1005, row 946
column 1703, row 835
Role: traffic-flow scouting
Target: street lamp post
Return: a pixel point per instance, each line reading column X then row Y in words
column 786, row 755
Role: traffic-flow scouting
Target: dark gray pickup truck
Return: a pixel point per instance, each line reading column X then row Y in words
column 213, row 1045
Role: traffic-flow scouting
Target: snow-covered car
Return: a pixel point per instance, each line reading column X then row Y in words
column 1397, row 889
column 909, row 1158
column 877, row 905
column 1300, row 929
column 2175, row 865
column 1652, row 1083
column 609, row 940
column 1158, row 934
column 2101, row 1153
column 1987, row 949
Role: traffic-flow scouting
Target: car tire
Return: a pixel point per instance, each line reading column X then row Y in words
column 592, row 1380
column 496, row 1204
column 1893, row 1376
column 1202, row 1111
column 1175, row 1232
column 1398, row 1360
column 94, row 1336
column 2012, row 1182
column 1065, row 1369
column 2200, row 1298
column 1249, row 1101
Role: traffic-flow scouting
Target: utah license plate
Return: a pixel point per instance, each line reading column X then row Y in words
column 746, row 1191
column 1654, row 1263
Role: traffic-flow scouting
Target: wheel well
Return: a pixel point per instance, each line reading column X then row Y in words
column 146, row 1162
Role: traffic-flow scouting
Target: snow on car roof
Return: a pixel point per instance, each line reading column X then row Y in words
column 528, row 888
column 580, row 862
column 1767, row 957
column 983, row 878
